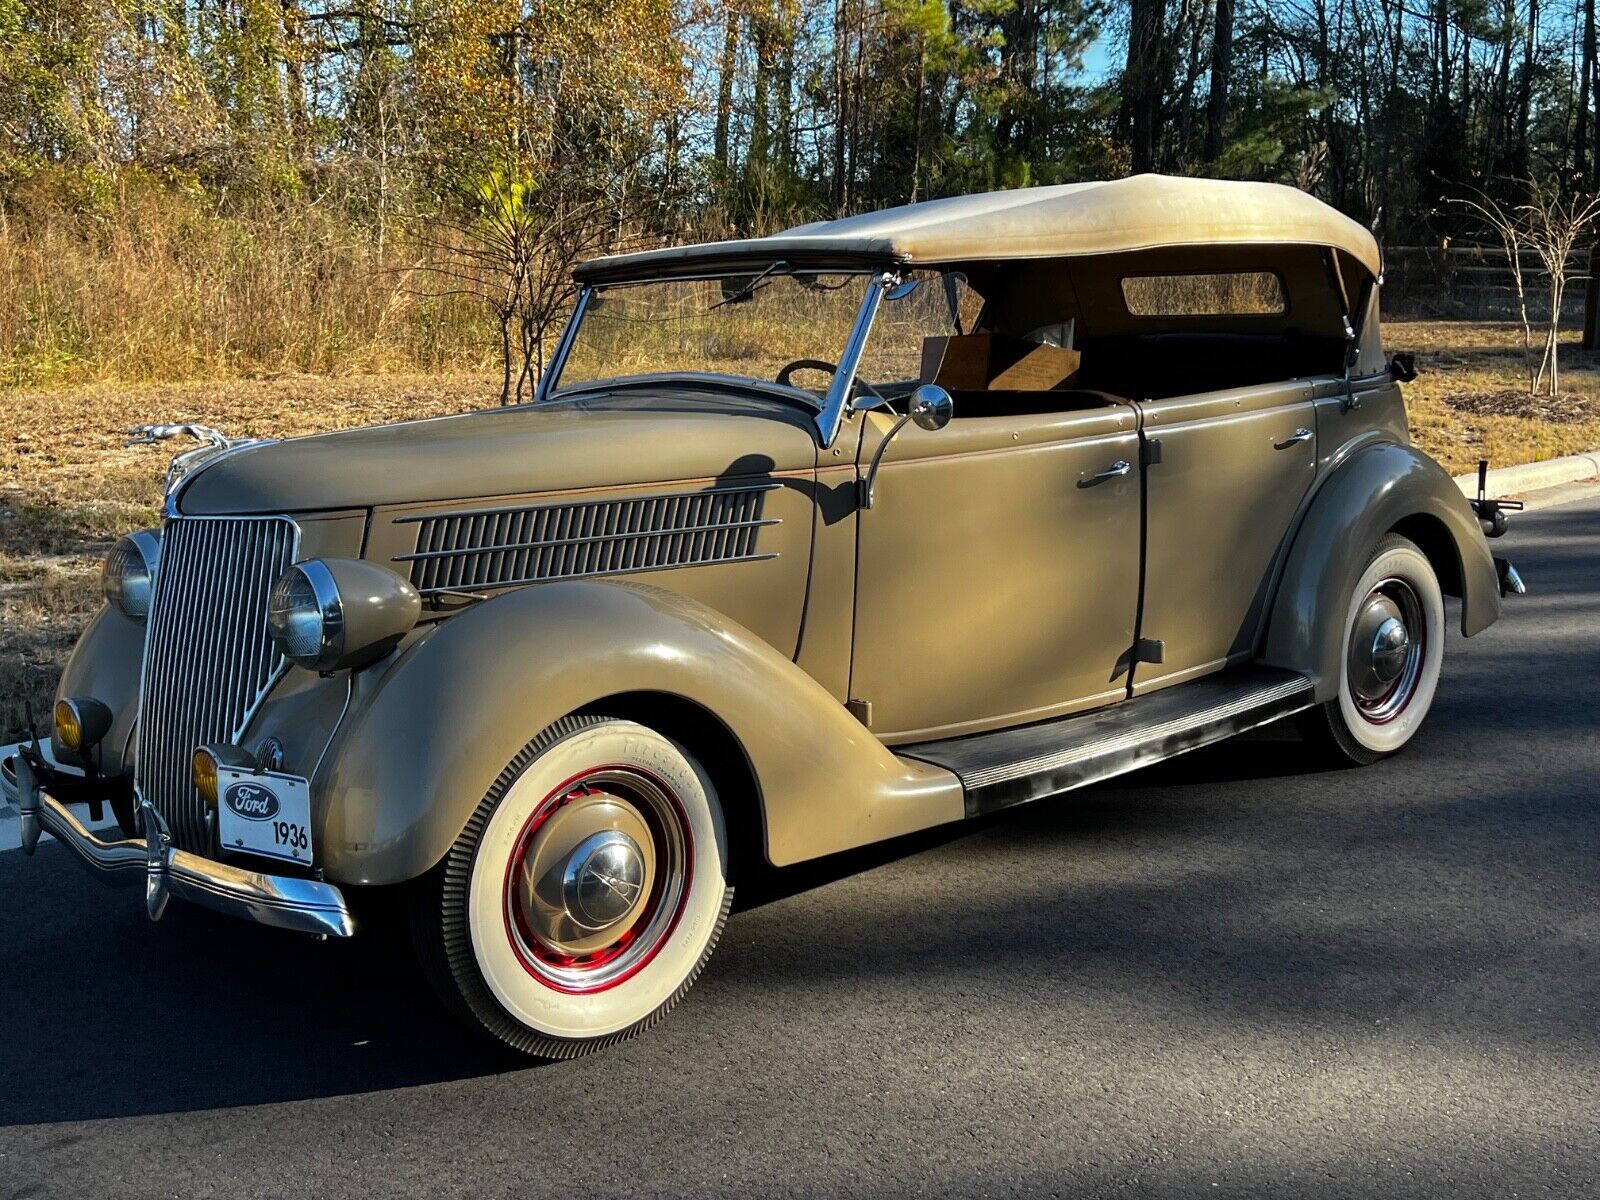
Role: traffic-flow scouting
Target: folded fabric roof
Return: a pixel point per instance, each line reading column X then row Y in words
column 1142, row 212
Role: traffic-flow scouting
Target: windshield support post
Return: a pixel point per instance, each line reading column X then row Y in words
column 837, row 401
column 558, row 356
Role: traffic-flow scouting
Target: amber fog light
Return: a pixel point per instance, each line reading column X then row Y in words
column 207, row 761
column 203, row 770
column 81, row 723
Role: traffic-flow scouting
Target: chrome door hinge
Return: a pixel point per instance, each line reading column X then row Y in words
column 1150, row 452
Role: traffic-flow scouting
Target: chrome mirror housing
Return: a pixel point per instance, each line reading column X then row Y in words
column 932, row 407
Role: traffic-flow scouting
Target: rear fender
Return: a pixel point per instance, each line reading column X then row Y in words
column 412, row 763
column 1381, row 488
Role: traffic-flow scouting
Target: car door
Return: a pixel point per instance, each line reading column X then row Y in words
column 1232, row 469
column 997, row 571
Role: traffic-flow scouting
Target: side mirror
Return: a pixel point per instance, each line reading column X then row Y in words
column 931, row 408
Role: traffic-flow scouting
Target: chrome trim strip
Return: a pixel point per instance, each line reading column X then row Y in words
column 169, row 508
column 282, row 901
column 718, row 490
column 510, row 583
column 838, row 398
column 684, row 531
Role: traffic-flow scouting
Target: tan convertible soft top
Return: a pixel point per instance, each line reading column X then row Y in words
column 1139, row 213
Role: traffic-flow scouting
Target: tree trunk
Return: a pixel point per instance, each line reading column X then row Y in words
column 1581, row 166
column 1142, row 80
column 728, row 63
column 1221, row 70
column 841, row 42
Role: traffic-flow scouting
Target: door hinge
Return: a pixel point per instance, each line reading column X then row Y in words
column 861, row 710
column 1150, row 452
column 1149, row 650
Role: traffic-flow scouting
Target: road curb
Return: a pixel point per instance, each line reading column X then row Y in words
column 1553, row 472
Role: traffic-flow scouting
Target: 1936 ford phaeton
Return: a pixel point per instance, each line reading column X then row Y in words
column 808, row 541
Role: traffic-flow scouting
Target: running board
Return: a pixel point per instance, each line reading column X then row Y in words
column 1014, row 766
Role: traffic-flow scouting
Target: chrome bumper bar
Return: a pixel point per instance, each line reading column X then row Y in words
column 284, row 902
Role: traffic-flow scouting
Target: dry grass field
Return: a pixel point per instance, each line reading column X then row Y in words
column 68, row 486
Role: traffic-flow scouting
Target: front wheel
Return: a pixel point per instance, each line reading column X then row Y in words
column 585, row 894
column 1393, row 649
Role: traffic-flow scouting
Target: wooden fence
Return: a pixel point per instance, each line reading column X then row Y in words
column 1474, row 282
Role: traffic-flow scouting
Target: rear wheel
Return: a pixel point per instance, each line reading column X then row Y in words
column 584, row 895
column 1393, row 649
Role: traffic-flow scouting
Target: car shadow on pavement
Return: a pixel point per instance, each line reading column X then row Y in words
column 111, row 1016
column 1274, row 751
column 108, row 1015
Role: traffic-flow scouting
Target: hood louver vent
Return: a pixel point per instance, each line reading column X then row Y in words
column 482, row 549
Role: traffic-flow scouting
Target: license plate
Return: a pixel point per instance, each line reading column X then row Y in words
column 264, row 813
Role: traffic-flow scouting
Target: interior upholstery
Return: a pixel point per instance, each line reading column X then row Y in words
column 1156, row 366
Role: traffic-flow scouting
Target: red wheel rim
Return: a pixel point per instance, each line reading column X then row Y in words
column 1388, row 704
column 634, row 946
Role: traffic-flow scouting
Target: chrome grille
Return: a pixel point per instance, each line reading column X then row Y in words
column 208, row 660
column 495, row 548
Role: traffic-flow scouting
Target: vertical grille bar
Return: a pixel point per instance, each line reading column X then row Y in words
column 209, row 662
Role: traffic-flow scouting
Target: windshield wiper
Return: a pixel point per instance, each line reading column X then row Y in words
column 748, row 289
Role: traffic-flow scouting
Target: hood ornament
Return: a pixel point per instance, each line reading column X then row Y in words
column 214, row 443
column 149, row 435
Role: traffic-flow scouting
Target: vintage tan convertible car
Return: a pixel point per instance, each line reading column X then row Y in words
column 808, row 541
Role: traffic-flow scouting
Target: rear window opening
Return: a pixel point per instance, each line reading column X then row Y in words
column 1205, row 294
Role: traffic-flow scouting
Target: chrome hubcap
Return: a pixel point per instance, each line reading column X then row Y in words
column 1390, row 645
column 597, row 879
column 603, row 880
column 1386, row 650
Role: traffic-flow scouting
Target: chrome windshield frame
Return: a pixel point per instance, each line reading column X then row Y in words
column 558, row 356
column 837, row 402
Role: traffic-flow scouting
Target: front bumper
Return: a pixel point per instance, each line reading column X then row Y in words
column 284, row 902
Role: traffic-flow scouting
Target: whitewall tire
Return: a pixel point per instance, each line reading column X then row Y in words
column 1392, row 651
column 585, row 894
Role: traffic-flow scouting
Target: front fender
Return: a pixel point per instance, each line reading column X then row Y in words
column 105, row 664
column 1378, row 489
column 412, row 763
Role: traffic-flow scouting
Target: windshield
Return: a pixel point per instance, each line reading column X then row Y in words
column 774, row 326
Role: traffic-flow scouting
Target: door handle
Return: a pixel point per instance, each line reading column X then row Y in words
column 1294, row 439
column 1117, row 469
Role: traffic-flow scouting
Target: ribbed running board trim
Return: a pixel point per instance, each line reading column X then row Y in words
column 1014, row 766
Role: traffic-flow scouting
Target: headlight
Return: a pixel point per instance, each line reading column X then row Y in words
column 327, row 614
column 129, row 576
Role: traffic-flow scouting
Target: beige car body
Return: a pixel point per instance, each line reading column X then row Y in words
column 992, row 585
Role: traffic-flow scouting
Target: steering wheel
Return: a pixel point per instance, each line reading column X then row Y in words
column 805, row 364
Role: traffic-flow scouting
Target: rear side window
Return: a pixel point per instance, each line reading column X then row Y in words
column 1218, row 294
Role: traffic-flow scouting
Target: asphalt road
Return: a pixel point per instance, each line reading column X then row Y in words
column 1227, row 976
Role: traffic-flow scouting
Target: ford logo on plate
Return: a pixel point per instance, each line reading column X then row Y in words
column 251, row 801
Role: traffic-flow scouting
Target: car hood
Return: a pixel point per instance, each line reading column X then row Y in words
column 597, row 439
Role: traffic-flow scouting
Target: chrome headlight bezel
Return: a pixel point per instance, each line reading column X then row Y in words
column 128, row 578
column 330, row 614
column 305, row 616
